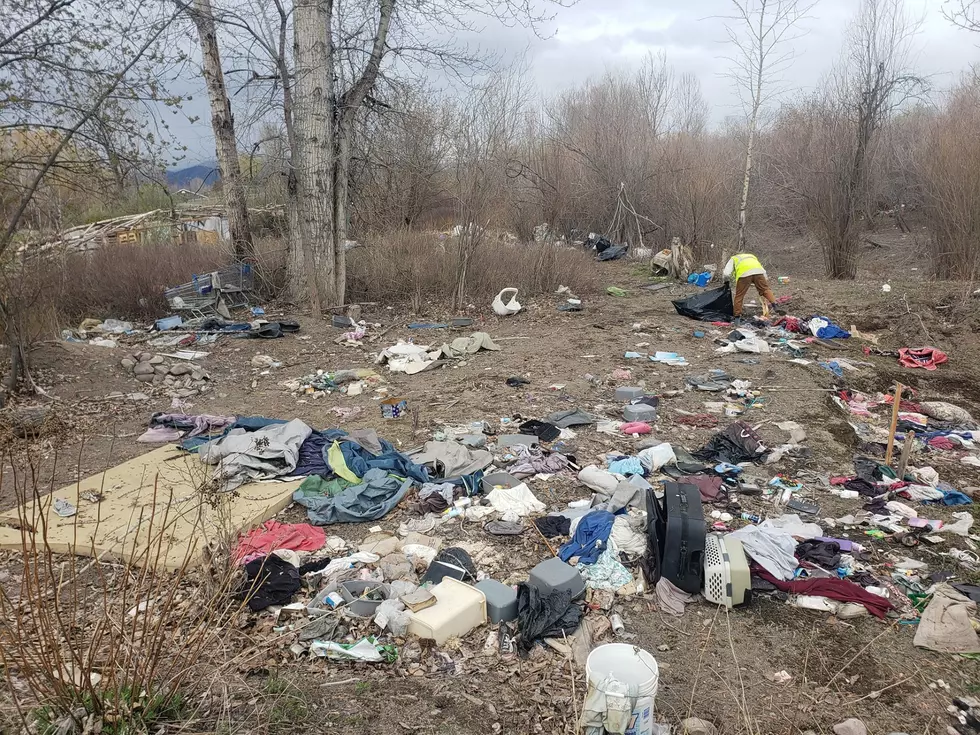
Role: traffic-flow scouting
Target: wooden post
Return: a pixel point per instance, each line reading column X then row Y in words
column 891, row 432
column 903, row 460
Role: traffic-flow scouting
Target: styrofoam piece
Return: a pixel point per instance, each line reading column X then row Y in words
column 459, row 609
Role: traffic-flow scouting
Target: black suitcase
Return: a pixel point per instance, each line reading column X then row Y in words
column 675, row 536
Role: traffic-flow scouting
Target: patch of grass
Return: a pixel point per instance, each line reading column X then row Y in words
column 362, row 687
column 289, row 706
column 121, row 712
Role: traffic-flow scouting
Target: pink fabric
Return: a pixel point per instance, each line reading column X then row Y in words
column 637, row 427
column 921, row 357
column 273, row 535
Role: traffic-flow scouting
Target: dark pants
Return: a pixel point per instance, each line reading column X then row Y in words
column 761, row 284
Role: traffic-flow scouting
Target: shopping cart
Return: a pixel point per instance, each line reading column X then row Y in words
column 201, row 297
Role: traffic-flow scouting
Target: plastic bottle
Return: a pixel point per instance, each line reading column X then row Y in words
column 751, row 517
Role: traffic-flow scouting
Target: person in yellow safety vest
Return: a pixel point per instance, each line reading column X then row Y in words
column 743, row 270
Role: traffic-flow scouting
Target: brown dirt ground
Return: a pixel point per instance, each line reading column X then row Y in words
column 717, row 665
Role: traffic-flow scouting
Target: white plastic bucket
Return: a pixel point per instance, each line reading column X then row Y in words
column 506, row 303
column 634, row 667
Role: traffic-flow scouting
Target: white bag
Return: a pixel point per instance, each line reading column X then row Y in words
column 506, row 302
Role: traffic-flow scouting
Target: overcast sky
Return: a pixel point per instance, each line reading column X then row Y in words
column 593, row 36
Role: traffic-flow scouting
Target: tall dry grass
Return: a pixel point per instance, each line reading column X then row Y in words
column 402, row 268
column 415, row 268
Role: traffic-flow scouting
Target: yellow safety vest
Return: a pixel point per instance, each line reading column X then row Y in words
column 745, row 262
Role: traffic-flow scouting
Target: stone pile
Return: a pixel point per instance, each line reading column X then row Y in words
column 184, row 379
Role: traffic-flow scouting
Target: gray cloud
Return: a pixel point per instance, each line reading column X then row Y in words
column 595, row 36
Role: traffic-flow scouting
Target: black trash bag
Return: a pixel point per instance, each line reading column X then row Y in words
column 738, row 443
column 614, row 252
column 598, row 243
column 269, row 581
column 544, row 616
column 457, row 557
column 714, row 305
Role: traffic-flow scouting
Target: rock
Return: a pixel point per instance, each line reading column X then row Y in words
column 27, row 421
column 161, row 369
column 169, row 380
column 180, row 370
column 155, row 360
column 158, row 379
column 145, row 377
column 397, row 566
column 145, row 356
column 128, row 363
column 381, row 544
column 143, row 368
column 694, row 726
column 850, row 727
column 973, row 492
column 199, row 375
column 186, row 392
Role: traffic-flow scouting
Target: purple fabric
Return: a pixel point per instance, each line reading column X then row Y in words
column 192, row 424
column 160, row 435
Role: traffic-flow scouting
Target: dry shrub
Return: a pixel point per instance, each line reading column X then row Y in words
column 951, row 174
column 89, row 646
column 122, row 281
column 420, row 268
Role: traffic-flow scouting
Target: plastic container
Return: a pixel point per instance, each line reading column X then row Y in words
column 170, row 322
column 499, row 479
column 353, row 589
column 554, row 574
column 501, row 600
column 459, row 609
column 640, row 412
column 628, row 393
column 637, row 670
column 506, row 304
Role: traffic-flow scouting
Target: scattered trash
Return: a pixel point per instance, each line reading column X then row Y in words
column 505, row 303
column 394, row 408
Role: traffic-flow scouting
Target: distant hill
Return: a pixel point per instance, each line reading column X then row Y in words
column 185, row 177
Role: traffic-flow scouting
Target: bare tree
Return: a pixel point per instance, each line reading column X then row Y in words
column 879, row 80
column 760, row 30
column 963, row 13
column 56, row 76
column 223, row 126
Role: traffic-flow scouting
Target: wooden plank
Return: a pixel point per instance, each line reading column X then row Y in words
column 156, row 505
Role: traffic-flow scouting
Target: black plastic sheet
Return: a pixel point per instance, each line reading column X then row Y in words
column 544, row 616
column 714, row 305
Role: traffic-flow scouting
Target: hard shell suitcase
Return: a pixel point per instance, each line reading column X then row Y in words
column 675, row 536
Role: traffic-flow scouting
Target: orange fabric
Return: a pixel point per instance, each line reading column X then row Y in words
column 761, row 284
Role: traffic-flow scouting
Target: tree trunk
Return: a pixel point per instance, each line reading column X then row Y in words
column 223, row 124
column 345, row 132
column 747, row 176
column 348, row 106
column 314, row 149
